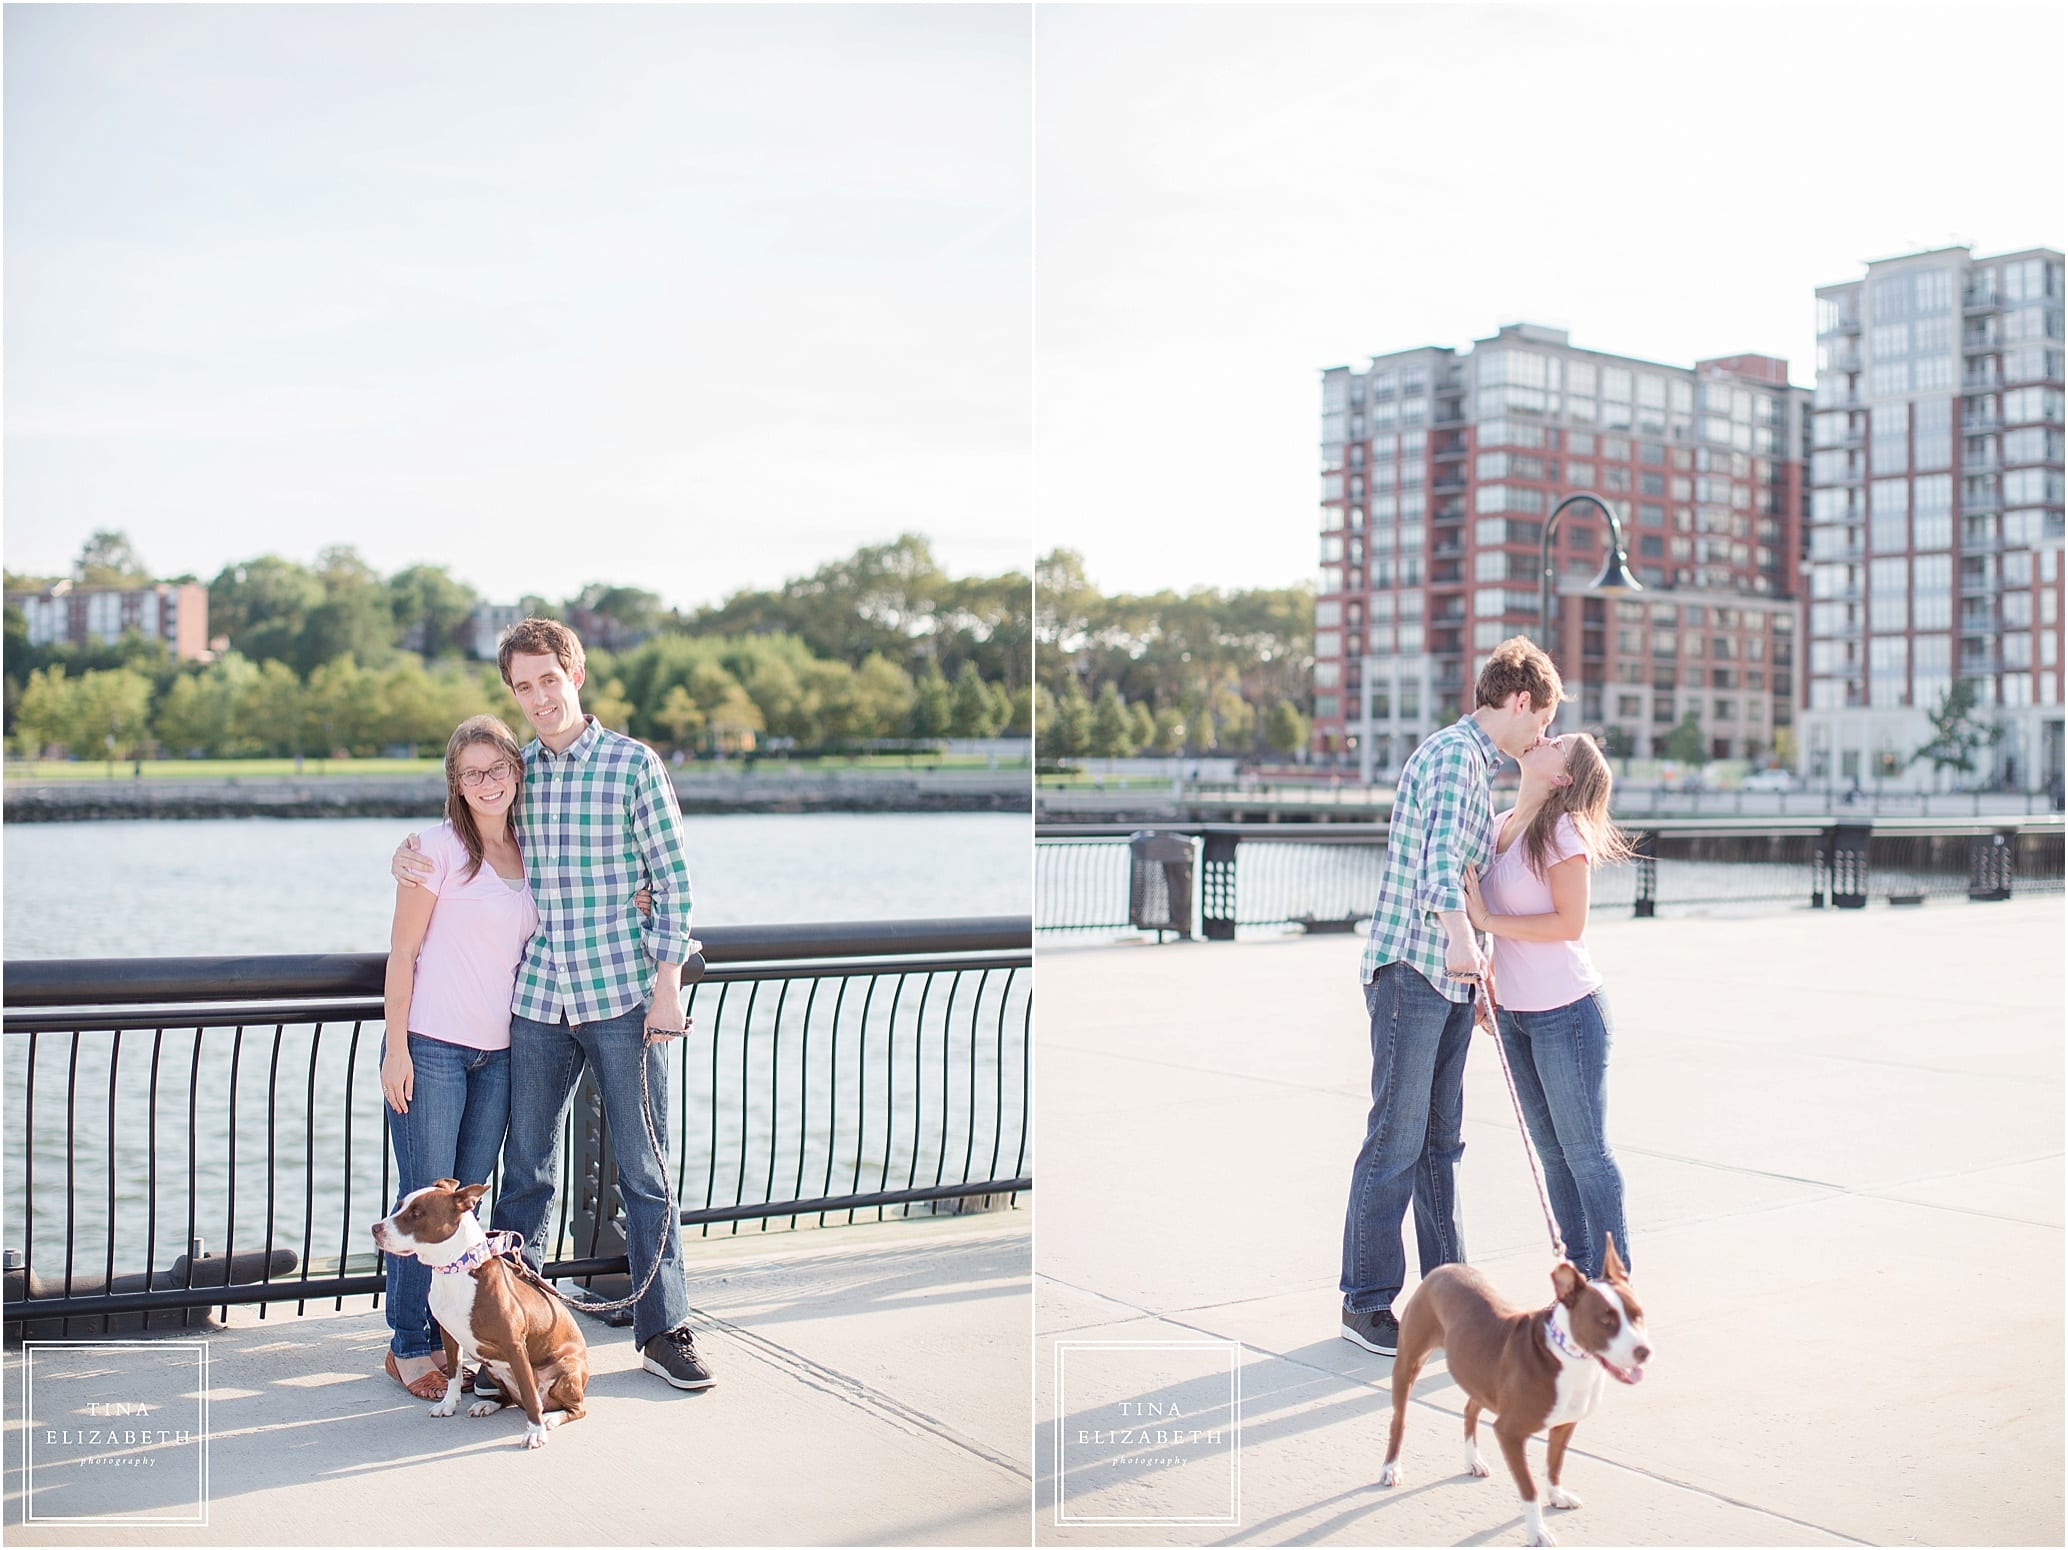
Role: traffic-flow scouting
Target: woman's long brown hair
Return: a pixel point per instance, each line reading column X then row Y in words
column 1585, row 801
column 472, row 731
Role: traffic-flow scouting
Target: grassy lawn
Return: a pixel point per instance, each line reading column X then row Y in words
column 259, row 769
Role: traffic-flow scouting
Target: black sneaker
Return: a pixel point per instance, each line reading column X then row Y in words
column 673, row 1354
column 484, row 1385
column 1375, row 1329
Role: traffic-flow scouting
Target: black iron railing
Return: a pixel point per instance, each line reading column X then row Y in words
column 1322, row 876
column 156, row 1106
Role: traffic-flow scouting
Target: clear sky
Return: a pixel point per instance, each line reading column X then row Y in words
column 687, row 298
column 1229, row 200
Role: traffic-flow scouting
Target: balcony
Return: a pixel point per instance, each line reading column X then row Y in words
column 1980, row 420
column 1980, row 501
column 1979, row 303
column 1981, row 343
column 1981, row 382
column 1979, row 586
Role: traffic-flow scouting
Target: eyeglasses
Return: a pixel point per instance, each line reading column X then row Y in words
column 501, row 770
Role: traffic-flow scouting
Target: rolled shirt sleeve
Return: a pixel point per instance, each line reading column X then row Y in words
column 657, row 831
column 1450, row 790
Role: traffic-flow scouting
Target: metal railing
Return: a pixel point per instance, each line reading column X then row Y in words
column 152, row 1104
column 1325, row 876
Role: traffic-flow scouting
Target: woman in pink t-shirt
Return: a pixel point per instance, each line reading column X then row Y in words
column 1554, row 1024
column 452, row 964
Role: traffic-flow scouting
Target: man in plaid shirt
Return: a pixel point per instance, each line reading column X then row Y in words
column 598, row 986
column 1422, row 967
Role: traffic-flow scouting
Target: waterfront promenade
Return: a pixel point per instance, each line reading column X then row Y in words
column 872, row 1390
column 1842, row 1139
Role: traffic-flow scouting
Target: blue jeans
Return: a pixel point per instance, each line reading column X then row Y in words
column 458, row 1105
column 1560, row 1061
column 1412, row 1138
column 545, row 1060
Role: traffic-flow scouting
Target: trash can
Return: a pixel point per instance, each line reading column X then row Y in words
column 1159, row 883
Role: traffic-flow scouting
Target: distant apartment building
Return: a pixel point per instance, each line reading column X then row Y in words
column 67, row 613
column 1936, row 515
column 1438, row 473
column 485, row 628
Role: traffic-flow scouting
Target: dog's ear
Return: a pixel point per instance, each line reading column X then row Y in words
column 470, row 1197
column 445, row 1184
column 1612, row 1262
column 1566, row 1281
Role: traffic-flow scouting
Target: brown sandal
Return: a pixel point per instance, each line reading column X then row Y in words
column 430, row 1385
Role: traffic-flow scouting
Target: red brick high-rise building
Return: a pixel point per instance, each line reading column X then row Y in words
column 1438, row 472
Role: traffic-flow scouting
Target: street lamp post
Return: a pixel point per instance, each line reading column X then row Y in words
column 1615, row 579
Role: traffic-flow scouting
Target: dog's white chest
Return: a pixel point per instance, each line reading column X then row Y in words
column 1578, row 1391
column 452, row 1305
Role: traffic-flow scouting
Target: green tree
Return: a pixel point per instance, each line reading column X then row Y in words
column 974, row 713
column 355, row 618
column 109, row 560
column 885, row 695
column 1959, row 731
column 342, row 716
column 1141, row 724
column 1285, row 729
column 198, row 714
column 46, row 714
column 1112, row 728
column 1168, row 735
column 610, row 705
column 1020, row 715
column 112, row 714
column 933, row 704
column 263, row 606
column 275, row 714
column 411, row 707
column 426, row 598
column 1069, row 735
column 1685, row 742
column 680, row 715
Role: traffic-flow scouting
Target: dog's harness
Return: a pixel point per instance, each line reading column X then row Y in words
column 495, row 1245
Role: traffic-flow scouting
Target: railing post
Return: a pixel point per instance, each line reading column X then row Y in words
column 1647, row 858
column 595, row 1222
column 1991, row 864
column 1217, row 887
column 1845, row 847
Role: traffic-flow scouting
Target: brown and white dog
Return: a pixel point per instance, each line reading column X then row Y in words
column 1533, row 1370
column 493, row 1311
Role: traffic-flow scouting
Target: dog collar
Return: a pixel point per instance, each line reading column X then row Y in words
column 493, row 1246
column 1561, row 1342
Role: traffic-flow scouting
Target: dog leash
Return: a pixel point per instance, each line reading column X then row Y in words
column 1536, row 1173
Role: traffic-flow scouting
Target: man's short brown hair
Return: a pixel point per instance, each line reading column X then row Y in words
column 1519, row 664
column 540, row 638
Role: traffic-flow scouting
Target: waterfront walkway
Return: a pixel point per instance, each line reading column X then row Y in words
column 872, row 1390
column 1842, row 1139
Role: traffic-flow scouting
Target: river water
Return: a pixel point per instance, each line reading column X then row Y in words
column 321, row 885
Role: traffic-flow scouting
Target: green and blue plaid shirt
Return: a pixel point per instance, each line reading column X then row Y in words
column 599, row 821
column 1443, row 822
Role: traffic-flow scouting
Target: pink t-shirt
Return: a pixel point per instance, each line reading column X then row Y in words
column 1534, row 976
column 467, row 966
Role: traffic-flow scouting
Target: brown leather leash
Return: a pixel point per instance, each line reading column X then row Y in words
column 1493, row 1012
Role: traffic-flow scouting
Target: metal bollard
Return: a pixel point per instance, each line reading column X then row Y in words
column 1217, row 887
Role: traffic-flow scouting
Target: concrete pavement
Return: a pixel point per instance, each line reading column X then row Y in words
column 1841, row 1135
column 873, row 1385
